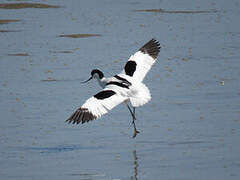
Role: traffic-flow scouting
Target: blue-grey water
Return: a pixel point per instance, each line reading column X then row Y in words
column 190, row 129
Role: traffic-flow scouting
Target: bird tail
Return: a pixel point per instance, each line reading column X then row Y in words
column 141, row 95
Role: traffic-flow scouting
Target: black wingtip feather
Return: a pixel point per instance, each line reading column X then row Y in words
column 81, row 115
column 152, row 48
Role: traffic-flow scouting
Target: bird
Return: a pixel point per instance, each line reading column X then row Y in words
column 126, row 87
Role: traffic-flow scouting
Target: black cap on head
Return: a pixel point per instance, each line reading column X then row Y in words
column 96, row 71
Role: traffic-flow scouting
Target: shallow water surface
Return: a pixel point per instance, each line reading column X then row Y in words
column 189, row 130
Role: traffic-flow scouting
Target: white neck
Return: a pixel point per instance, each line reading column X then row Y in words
column 102, row 82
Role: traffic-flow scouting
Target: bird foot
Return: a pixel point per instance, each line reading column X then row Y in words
column 135, row 133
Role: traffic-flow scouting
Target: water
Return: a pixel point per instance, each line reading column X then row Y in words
column 189, row 130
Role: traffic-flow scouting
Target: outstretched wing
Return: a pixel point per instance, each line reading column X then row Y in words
column 141, row 62
column 96, row 106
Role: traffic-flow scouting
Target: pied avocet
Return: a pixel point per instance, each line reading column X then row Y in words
column 124, row 87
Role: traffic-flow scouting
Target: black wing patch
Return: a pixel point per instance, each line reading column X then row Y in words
column 118, row 84
column 104, row 94
column 130, row 68
column 123, row 80
column 152, row 48
column 81, row 115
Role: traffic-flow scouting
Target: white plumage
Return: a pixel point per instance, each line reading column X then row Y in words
column 144, row 64
column 100, row 107
column 124, row 87
column 140, row 95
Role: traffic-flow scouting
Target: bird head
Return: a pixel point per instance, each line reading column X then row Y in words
column 97, row 74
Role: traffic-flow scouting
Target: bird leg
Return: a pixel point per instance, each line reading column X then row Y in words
column 135, row 129
column 133, row 122
column 133, row 114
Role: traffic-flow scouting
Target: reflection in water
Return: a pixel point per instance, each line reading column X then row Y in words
column 135, row 177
